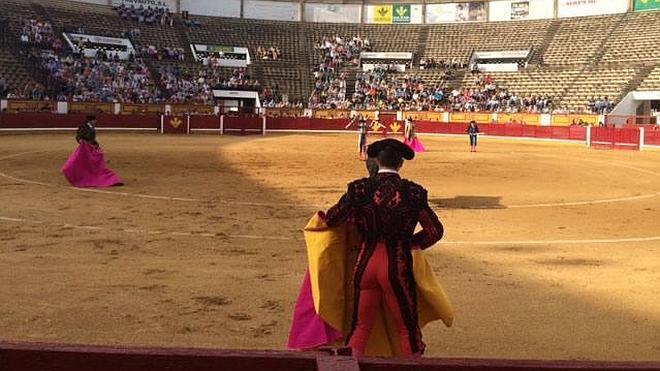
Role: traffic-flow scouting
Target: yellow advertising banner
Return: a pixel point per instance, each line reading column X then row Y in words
column 193, row 109
column 85, row 107
column 423, row 116
column 130, row 108
column 284, row 112
column 341, row 114
column 368, row 114
column 14, row 106
column 519, row 118
column 568, row 120
column 479, row 118
column 382, row 14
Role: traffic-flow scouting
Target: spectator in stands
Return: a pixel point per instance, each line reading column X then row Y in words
column 182, row 87
column 36, row 32
column 150, row 15
column 3, row 87
column 268, row 53
column 96, row 80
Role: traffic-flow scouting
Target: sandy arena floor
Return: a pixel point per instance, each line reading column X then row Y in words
column 551, row 251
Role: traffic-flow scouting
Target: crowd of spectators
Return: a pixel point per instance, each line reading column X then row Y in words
column 149, row 15
column 182, row 87
column 485, row 95
column 30, row 90
column 273, row 98
column 329, row 88
column 431, row 63
column 268, row 53
column 36, row 32
column 178, row 54
column 341, row 50
column 600, row 106
column 188, row 20
column 330, row 84
column 98, row 80
column 382, row 88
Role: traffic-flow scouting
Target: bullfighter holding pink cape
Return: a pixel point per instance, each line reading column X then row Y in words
column 86, row 166
column 410, row 137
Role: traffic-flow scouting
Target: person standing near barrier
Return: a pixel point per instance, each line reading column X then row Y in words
column 473, row 132
column 386, row 210
column 363, row 129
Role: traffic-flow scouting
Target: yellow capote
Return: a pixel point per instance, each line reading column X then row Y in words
column 331, row 254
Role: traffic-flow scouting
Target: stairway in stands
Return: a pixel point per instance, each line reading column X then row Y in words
column 422, row 40
column 182, row 36
column 550, row 33
column 596, row 58
column 308, row 58
column 351, row 72
column 633, row 84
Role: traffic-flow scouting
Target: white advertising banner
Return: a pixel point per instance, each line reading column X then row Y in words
column 580, row 8
column 271, row 10
column 510, row 10
column 386, row 55
column 171, row 4
column 335, row 13
column 99, row 2
column 225, row 8
column 456, row 12
column 92, row 42
column 498, row 67
column 506, row 54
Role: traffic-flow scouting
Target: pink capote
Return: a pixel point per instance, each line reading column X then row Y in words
column 308, row 330
column 86, row 168
column 415, row 144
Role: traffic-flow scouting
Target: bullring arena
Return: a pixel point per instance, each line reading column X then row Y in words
column 231, row 123
column 550, row 249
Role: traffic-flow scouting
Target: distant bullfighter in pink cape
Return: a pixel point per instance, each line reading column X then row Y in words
column 86, row 166
column 410, row 137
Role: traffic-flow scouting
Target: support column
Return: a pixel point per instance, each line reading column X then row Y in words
column 222, row 124
column 588, row 136
column 263, row 125
column 641, row 138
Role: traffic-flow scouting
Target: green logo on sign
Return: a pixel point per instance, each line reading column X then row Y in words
column 641, row 5
column 401, row 14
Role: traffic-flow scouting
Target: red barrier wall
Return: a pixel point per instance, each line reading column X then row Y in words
column 509, row 130
column 55, row 357
column 611, row 137
column 32, row 120
column 306, row 123
column 205, row 122
column 38, row 120
column 176, row 124
column 652, row 137
column 243, row 125
column 132, row 121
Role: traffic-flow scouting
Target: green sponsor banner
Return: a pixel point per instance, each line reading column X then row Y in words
column 401, row 13
column 642, row 5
